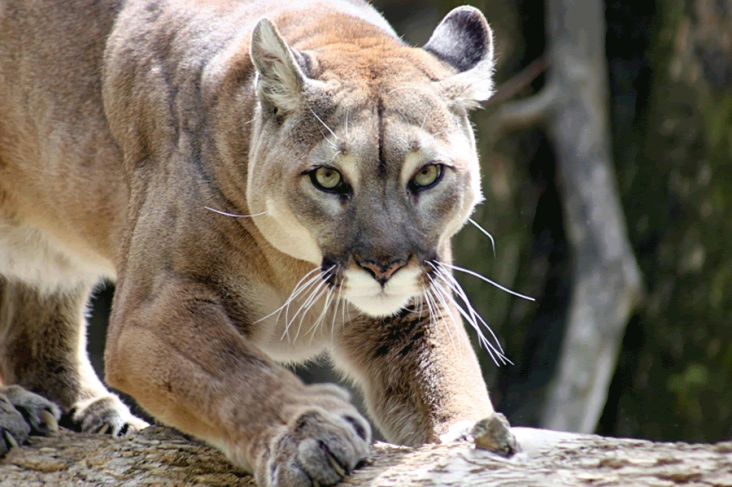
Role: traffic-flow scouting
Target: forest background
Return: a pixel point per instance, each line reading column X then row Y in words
column 641, row 346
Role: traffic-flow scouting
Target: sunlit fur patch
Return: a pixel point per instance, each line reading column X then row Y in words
column 367, row 295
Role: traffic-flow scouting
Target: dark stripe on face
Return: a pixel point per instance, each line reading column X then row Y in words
column 382, row 156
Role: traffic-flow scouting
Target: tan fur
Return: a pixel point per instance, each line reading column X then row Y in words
column 129, row 136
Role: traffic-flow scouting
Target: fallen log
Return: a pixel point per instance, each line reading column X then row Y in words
column 161, row 456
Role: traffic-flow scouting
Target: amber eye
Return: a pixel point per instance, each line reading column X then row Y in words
column 329, row 180
column 426, row 177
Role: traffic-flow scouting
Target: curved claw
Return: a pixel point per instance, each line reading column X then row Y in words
column 334, row 463
column 49, row 419
column 10, row 439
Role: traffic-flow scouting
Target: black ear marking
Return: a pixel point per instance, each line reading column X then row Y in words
column 462, row 39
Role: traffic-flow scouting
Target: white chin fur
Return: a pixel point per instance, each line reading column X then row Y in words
column 379, row 306
column 370, row 298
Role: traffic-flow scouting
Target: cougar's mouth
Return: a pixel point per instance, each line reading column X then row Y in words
column 379, row 299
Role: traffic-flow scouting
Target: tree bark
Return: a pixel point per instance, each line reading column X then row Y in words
column 161, row 456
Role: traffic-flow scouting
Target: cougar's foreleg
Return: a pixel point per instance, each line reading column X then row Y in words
column 43, row 350
column 420, row 377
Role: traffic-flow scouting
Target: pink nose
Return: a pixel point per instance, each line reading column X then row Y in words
column 383, row 273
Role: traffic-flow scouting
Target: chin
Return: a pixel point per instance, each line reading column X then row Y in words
column 381, row 305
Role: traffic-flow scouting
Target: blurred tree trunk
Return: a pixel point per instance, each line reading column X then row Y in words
column 606, row 280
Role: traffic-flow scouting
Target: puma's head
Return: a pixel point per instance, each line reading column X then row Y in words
column 363, row 160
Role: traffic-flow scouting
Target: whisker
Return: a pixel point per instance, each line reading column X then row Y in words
column 288, row 321
column 429, row 300
column 425, row 119
column 437, row 291
column 421, row 306
column 292, row 296
column 314, row 297
column 473, row 318
column 234, row 215
column 335, row 313
column 448, row 296
column 298, row 290
column 321, row 317
column 457, row 289
column 493, row 242
column 323, row 123
column 475, row 274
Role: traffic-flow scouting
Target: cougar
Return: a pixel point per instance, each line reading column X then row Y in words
column 265, row 182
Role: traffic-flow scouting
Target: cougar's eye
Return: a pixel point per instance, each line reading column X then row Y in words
column 329, row 180
column 426, row 177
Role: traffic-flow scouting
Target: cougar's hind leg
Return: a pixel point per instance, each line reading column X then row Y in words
column 43, row 349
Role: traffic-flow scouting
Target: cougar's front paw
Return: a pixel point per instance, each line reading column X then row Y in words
column 106, row 414
column 318, row 447
column 23, row 412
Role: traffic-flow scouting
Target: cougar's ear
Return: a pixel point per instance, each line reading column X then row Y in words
column 464, row 40
column 281, row 69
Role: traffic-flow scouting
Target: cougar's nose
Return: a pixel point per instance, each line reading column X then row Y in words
column 382, row 272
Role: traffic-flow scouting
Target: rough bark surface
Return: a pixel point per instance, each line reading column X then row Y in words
column 160, row 456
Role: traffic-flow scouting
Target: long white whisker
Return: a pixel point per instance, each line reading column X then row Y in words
column 475, row 274
column 321, row 317
column 431, row 304
column 448, row 296
column 323, row 123
column 301, row 284
column 471, row 316
column 335, row 312
column 425, row 119
column 314, row 296
column 474, row 318
column 300, row 287
column 344, row 309
column 493, row 242
column 292, row 296
column 436, row 290
column 234, row 215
